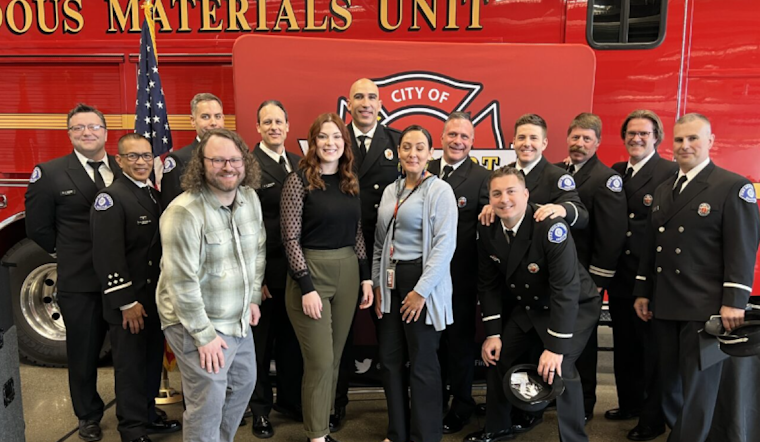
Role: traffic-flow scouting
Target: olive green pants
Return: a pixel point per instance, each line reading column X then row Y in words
column 335, row 274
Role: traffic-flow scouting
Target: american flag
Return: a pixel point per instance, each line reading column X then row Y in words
column 150, row 108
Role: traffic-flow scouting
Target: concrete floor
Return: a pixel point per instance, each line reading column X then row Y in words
column 49, row 416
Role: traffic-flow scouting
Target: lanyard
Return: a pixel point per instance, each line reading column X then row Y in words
column 400, row 202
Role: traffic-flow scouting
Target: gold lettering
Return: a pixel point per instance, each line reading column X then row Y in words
column 286, row 13
column 474, row 15
column 384, row 23
column 237, row 18
column 428, row 14
column 41, row 22
column 342, row 13
column 159, row 15
column 208, row 15
column 261, row 16
column 310, row 25
column 75, row 15
column 183, row 20
column 491, row 163
column 130, row 13
column 451, row 24
column 11, row 16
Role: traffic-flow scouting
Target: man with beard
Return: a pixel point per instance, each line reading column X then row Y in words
column 205, row 113
column 600, row 244
column 274, row 330
column 214, row 250
column 635, row 355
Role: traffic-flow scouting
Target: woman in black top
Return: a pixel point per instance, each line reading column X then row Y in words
column 327, row 259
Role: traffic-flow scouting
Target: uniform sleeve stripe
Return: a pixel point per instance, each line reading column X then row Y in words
column 491, row 318
column 559, row 335
column 737, row 286
column 641, row 278
column 493, row 336
column 601, row 272
column 576, row 214
column 118, row 287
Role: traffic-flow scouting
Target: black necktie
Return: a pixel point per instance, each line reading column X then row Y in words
column 150, row 194
column 510, row 234
column 677, row 189
column 98, row 178
column 447, row 172
column 284, row 165
column 628, row 174
column 571, row 169
column 362, row 149
column 522, row 171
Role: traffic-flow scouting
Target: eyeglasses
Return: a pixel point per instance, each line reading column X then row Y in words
column 82, row 127
column 642, row 135
column 218, row 163
column 132, row 157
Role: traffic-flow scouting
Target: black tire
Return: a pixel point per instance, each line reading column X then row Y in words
column 41, row 332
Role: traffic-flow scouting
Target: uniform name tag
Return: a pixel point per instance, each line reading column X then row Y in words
column 267, row 186
column 68, row 192
column 143, row 220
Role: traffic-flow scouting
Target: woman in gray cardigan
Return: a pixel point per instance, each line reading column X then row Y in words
column 414, row 243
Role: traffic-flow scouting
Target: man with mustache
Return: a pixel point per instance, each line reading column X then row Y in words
column 635, row 355
column 600, row 244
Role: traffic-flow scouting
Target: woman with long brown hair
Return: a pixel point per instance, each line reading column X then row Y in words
column 327, row 259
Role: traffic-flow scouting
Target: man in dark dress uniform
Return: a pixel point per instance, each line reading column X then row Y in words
column 274, row 333
column 58, row 201
column 635, row 356
column 469, row 181
column 376, row 166
column 205, row 113
column 126, row 250
column 702, row 242
column 600, row 244
column 536, row 297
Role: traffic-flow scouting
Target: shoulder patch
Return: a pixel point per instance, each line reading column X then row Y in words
column 558, row 233
column 169, row 164
column 103, row 201
column 36, row 175
column 566, row 182
column 615, row 183
column 747, row 193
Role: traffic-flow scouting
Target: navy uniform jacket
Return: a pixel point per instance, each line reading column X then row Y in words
column 126, row 247
column 272, row 179
column 549, row 184
column 380, row 168
column 174, row 167
column 600, row 244
column 639, row 191
column 470, row 184
column 701, row 249
column 541, row 272
column 58, row 202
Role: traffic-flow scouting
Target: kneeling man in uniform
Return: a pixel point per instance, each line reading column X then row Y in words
column 533, row 293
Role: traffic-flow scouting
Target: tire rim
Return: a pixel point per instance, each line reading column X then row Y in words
column 39, row 303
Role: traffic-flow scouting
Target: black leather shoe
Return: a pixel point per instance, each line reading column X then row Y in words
column 452, row 423
column 293, row 413
column 262, row 428
column 480, row 409
column 90, row 431
column 525, row 422
column 163, row 426
column 619, row 414
column 161, row 413
column 336, row 420
column 482, row 436
column 644, row 432
column 142, row 439
column 587, row 417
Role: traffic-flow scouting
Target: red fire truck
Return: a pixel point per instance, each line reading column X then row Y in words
column 670, row 56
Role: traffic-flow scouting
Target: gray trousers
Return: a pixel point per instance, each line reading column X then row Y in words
column 215, row 401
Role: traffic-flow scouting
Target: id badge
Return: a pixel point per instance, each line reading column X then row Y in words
column 390, row 276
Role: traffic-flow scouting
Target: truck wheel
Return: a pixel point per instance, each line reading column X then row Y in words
column 41, row 332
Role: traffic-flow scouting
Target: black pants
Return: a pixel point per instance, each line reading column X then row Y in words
column 423, row 422
column 274, row 335
column 457, row 354
column 137, row 361
column 635, row 363
column 85, row 332
column 586, row 366
column 689, row 393
column 515, row 344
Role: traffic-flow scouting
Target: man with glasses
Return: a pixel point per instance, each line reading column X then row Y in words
column 635, row 356
column 127, row 251
column 58, row 201
column 205, row 113
column 209, row 291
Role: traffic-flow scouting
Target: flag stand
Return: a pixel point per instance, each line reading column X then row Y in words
column 166, row 394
